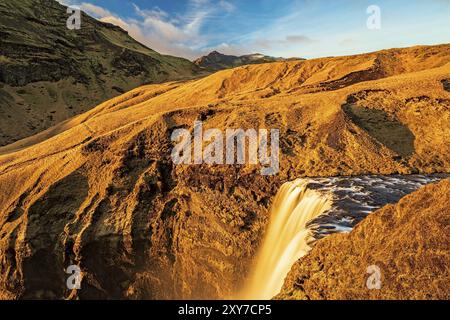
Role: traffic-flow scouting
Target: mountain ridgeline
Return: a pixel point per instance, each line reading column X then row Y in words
column 216, row 61
column 49, row 73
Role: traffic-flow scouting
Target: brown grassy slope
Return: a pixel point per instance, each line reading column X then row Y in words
column 100, row 190
column 49, row 73
column 407, row 241
column 273, row 95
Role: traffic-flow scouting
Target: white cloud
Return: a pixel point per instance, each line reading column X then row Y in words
column 89, row 8
column 94, row 10
column 173, row 35
column 227, row 6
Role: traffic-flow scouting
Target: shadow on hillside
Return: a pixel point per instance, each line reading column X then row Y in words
column 446, row 84
column 384, row 128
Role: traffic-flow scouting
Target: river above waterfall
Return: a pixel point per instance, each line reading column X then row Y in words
column 354, row 198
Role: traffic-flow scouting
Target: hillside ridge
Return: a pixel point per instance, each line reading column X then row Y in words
column 49, row 73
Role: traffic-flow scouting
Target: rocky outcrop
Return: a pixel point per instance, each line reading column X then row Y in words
column 407, row 243
column 446, row 84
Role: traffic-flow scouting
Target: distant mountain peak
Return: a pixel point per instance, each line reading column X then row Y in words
column 215, row 61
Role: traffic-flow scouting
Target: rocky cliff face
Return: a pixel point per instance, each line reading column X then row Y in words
column 101, row 191
column 49, row 73
column 408, row 242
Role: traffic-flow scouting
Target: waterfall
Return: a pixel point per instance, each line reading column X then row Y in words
column 286, row 238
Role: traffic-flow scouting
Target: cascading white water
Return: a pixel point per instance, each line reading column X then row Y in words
column 286, row 239
column 295, row 205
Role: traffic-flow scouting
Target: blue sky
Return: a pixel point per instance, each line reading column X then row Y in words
column 287, row 28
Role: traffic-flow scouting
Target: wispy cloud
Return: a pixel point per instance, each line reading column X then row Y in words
column 95, row 10
column 227, row 6
column 163, row 32
column 89, row 8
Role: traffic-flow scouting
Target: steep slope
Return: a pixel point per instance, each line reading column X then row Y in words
column 101, row 190
column 216, row 61
column 408, row 242
column 49, row 73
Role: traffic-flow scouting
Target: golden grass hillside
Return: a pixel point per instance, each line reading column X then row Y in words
column 100, row 190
